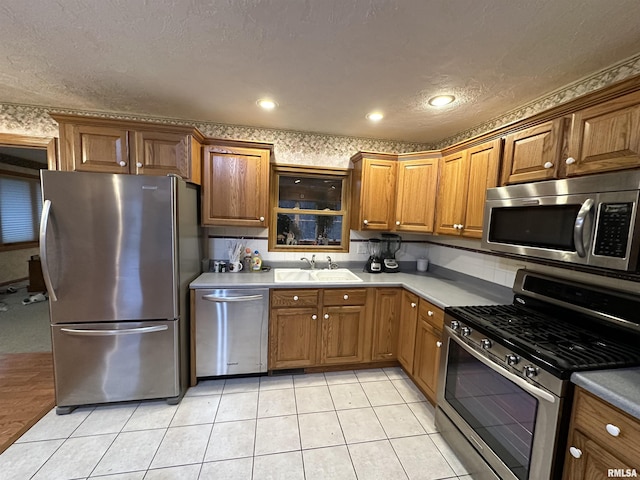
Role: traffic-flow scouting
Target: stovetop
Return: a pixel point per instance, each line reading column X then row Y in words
column 561, row 343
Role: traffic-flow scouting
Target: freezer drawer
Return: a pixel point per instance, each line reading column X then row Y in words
column 111, row 362
column 231, row 331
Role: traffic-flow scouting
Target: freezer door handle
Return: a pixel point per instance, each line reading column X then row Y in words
column 44, row 222
column 243, row 298
column 106, row 333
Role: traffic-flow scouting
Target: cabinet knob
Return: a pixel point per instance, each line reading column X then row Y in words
column 548, row 165
column 366, row 222
column 460, row 226
column 430, row 313
column 139, row 165
column 295, row 297
column 438, row 344
column 326, row 316
column 261, row 219
column 397, row 222
column 122, row 163
column 414, row 304
column 575, row 452
column 570, row 161
column 612, row 430
column 314, row 317
column 346, row 297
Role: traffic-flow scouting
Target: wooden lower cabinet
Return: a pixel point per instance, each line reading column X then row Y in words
column 343, row 334
column 593, row 450
column 427, row 350
column 386, row 323
column 293, row 337
column 407, row 330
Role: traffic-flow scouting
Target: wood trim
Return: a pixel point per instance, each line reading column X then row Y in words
column 126, row 124
column 210, row 141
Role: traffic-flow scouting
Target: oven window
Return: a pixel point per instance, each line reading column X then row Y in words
column 499, row 411
column 539, row 226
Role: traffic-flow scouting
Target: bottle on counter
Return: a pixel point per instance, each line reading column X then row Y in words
column 256, row 262
column 246, row 260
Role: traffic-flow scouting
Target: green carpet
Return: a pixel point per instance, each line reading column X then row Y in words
column 23, row 328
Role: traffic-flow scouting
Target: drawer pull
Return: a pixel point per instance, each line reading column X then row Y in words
column 261, row 219
column 612, row 430
column 570, row 161
column 548, row 165
column 295, row 297
column 430, row 313
column 139, row 165
column 122, row 163
column 398, row 222
column 414, row 304
column 575, row 452
column 346, row 297
column 326, row 316
column 438, row 344
column 314, row 317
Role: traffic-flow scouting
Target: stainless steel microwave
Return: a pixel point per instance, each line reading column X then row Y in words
column 591, row 220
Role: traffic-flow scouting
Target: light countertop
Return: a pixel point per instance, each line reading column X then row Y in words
column 439, row 286
column 620, row 387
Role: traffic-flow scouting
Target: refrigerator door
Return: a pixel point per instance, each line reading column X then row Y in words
column 111, row 362
column 108, row 246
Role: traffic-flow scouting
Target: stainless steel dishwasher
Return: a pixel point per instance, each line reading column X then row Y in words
column 231, row 331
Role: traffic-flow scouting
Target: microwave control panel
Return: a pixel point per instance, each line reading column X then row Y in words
column 612, row 231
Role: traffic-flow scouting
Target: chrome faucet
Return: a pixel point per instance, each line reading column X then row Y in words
column 330, row 264
column 312, row 262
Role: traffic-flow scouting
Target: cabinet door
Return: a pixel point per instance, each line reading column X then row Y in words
column 407, row 330
column 161, row 153
column 343, row 334
column 96, row 149
column 377, row 198
column 292, row 337
column 416, row 195
column 386, row 324
column 427, row 358
column 452, row 193
column 483, row 173
column 593, row 463
column 533, row 154
column 235, row 187
column 606, row 137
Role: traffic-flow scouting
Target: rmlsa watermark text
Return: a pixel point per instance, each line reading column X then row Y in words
column 622, row 473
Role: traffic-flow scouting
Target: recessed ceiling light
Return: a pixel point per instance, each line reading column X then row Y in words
column 267, row 104
column 441, row 100
column 375, row 116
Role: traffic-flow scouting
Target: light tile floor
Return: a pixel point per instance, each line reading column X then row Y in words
column 366, row 425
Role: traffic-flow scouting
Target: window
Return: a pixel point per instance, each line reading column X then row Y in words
column 309, row 209
column 20, row 208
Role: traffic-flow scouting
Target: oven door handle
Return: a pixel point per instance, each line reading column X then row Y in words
column 522, row 383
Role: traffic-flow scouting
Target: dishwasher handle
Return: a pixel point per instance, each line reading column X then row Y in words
column 107, row 333
column 242, row 298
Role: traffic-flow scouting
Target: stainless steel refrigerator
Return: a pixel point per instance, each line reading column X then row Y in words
column 118, row 253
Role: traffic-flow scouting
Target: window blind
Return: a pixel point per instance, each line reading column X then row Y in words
column 20, row 208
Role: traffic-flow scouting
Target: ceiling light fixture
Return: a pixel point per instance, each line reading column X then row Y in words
column 266, row 104
column 375, row 116
column 441, row 100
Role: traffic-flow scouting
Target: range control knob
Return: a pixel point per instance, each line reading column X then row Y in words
column 466, row 331
column 455, row 325
column 485, row 343
column 512, row 359
column 530, row 371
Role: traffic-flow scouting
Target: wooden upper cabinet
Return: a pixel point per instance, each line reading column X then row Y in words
column 373, row 191
column 235, row 188
column 533, row 154
column 94, row 144
column 605, row 137
column 464, row 179
column 416, row 195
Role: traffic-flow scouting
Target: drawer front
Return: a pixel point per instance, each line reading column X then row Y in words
column 592, row 416
column 294, row 298
column 431, row 314
column 345, row 296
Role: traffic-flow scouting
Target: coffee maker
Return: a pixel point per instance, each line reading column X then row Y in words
column 391, row 244
column 374, row 263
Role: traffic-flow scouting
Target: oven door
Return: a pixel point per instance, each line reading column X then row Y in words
column 511, row 423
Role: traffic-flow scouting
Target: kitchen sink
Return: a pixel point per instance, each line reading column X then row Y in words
column 295, row 275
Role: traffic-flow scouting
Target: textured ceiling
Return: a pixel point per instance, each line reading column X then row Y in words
column 326, row 62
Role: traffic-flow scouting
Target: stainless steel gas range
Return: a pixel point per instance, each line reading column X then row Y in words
column 504, row 394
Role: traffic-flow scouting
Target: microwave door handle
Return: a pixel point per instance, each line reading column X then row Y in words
column 578, row 227
column 521, row 382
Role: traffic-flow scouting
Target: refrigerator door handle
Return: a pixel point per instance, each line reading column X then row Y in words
column 243, row 298
column 105, row 333
column 44, row 222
